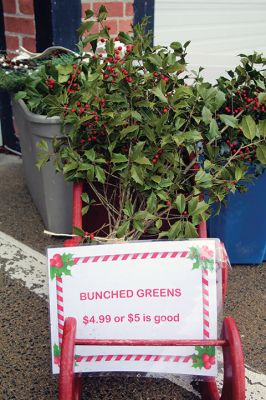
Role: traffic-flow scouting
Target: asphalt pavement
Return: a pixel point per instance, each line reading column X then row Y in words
column 24, row 325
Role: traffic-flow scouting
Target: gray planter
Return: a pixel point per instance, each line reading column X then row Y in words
column 51, row 195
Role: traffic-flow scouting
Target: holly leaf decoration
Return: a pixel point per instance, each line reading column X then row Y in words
column 56, row 350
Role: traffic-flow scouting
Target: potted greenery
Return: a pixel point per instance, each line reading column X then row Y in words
column 242, row 223
column 147, row 143
column 50, row 193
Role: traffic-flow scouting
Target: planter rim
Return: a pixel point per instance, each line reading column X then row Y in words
column 41, row 119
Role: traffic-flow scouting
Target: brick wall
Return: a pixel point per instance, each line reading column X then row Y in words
column 19, row 25
column 120, row 13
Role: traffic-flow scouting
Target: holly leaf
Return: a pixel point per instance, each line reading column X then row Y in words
column 229, row 120
column 261, row 153
column 78, row 231
column 180, row 202
column 137, row 174
column 118, row 158
column 56, row 350
column 196, row 265
column 248, row 127
column 53, row 272
column 158, row 93
column 100, row 174
column 123, row 228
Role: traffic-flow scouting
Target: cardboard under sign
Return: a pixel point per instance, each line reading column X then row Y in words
column 141, row 290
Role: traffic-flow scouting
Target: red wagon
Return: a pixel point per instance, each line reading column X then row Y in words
column 70, row 384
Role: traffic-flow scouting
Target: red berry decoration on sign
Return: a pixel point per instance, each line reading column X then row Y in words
column 205, row 357
column 59, row 265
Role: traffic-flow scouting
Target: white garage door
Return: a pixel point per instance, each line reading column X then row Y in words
column 218, row 29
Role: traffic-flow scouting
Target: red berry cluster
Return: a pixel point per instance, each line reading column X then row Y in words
column 50, row 83
column 161, row 76
column 247, row 153
column 157, row 155
column 56, row 261
column 245, row 99
column 110, row 71
column 208, row 361
column 72, row 84
column 89, row 235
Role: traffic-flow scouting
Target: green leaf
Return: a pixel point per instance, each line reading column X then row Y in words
column 56, row 350
column 118, row 158
column 90, row 154
column 180, row 202
column 43, row 145
column 137, row 174
column 155, row 59
column 123, row 228
column 142, row 161
column 84, row 210
column 179, row 122
column 90, row 173
column 158, row 93
column 175, row 230
column 129, row 129
column 70, row 167
column 42, row 160
column 206, row 115
column 262, row 128
column 190, row 230
column 203, row 179
column 156, row 178
column 89, row 14
column 176, row 46
column 125, row 38
column 214, row 130
column 90, row 39
column 192, row 205
column 219, row 99
column 158, row 223
column 78, row 231
column 262, row 97
column 20, row 95
column 238, row 173
column 137, row 150
column 64, row 69
column 128, row 210
column 149, row 133
column 100, row 174
column 138, row 225
column 261, row 153
column 136, row 115
column 248, row 126
column 145, row 103
column 102, row 13
column 85, row 26
column 85, row 198
column 229, row 120
column 152, row 203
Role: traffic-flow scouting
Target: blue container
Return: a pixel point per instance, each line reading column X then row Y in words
column 242, row 224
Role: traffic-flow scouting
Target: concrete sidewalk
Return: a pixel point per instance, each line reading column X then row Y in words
column 25, row 338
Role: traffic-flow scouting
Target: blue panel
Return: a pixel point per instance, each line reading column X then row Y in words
column 142, row 8
column 242, row 224
column 66, row 18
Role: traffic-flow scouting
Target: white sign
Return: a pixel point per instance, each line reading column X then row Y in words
column 143, row 290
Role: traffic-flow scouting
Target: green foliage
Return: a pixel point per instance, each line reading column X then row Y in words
column 156, row 152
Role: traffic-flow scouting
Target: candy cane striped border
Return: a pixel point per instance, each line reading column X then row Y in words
column 131, row 357
column 206, row 304
column 124, row 257
column 60, row 308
